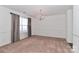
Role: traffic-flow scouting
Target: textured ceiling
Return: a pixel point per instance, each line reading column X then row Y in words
column 34, row 10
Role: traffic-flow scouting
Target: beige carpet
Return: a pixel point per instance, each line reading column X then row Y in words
column 38, row 44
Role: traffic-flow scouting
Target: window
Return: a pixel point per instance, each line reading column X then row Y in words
column 23, row 24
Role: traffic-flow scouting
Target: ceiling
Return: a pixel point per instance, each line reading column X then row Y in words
column 34, row 10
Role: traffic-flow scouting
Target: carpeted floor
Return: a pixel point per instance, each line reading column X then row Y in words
column 38, row 44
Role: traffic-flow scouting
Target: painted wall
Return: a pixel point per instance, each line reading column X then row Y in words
column 5, row 26
column 76, row 28
column 69, row 17
column 52, row 26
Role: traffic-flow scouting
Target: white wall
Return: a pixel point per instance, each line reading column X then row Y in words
column 52, row 26
column 69, row 17
column 5, row 26
column 76, row 28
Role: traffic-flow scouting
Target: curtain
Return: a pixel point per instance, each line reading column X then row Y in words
column 29, row 27
column 15, row 36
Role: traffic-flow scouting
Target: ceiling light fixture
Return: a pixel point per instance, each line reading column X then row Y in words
column 42, row 16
